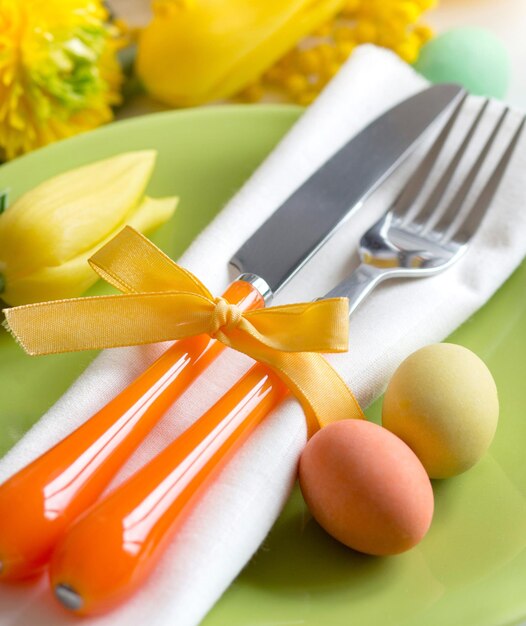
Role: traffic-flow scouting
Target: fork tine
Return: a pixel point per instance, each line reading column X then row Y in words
column 475, row 216
column 412, row 189
column 425, row 216
column 441, row 229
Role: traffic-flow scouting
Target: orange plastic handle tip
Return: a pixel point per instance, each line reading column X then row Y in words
column 38, row 503
column 110, row 550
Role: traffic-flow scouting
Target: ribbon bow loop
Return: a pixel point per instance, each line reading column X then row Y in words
column 162, row 301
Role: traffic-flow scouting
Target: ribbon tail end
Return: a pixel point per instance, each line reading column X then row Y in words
column 13, row 334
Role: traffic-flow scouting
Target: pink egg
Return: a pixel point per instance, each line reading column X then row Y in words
column 366, row 487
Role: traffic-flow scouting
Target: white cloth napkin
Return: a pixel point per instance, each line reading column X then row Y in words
column 233, row 518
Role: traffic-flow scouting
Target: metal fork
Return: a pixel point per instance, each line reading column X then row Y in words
column 412, row 239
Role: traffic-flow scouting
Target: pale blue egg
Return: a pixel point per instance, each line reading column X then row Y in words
column 472, row 57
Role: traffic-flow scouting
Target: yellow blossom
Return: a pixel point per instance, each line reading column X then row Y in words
column 194, row 51
column 59, row 73
column 48, row 234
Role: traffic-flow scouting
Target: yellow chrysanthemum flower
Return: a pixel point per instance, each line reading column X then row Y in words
column 59, row 73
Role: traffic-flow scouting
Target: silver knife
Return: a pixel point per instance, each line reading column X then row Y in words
column 70, row 476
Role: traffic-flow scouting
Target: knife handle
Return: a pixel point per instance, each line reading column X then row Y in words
column 114, row 546
column 39, row 502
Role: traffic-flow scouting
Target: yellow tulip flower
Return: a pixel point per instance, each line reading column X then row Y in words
column 48, row 234
column 194, row 51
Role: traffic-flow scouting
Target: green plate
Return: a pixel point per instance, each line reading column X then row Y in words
column 471, row 567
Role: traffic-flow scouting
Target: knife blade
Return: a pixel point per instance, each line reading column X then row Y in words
column 306, row 220
column 38, row 503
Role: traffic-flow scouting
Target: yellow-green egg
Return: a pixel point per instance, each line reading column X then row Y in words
column 442, row 401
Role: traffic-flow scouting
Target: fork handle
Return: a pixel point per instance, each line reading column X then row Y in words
column 39, row 502
column 115, row 545
column 358, row 285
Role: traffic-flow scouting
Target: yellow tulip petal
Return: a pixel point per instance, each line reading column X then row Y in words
column 51, row 283
column 207, row 49
column 73, row 278
column 72, row 212
column 152, row 212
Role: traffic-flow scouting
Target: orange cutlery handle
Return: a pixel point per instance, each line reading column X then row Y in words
column 38, row 503
column 114, row 546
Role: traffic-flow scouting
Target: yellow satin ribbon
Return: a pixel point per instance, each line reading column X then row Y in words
column 162, row 301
